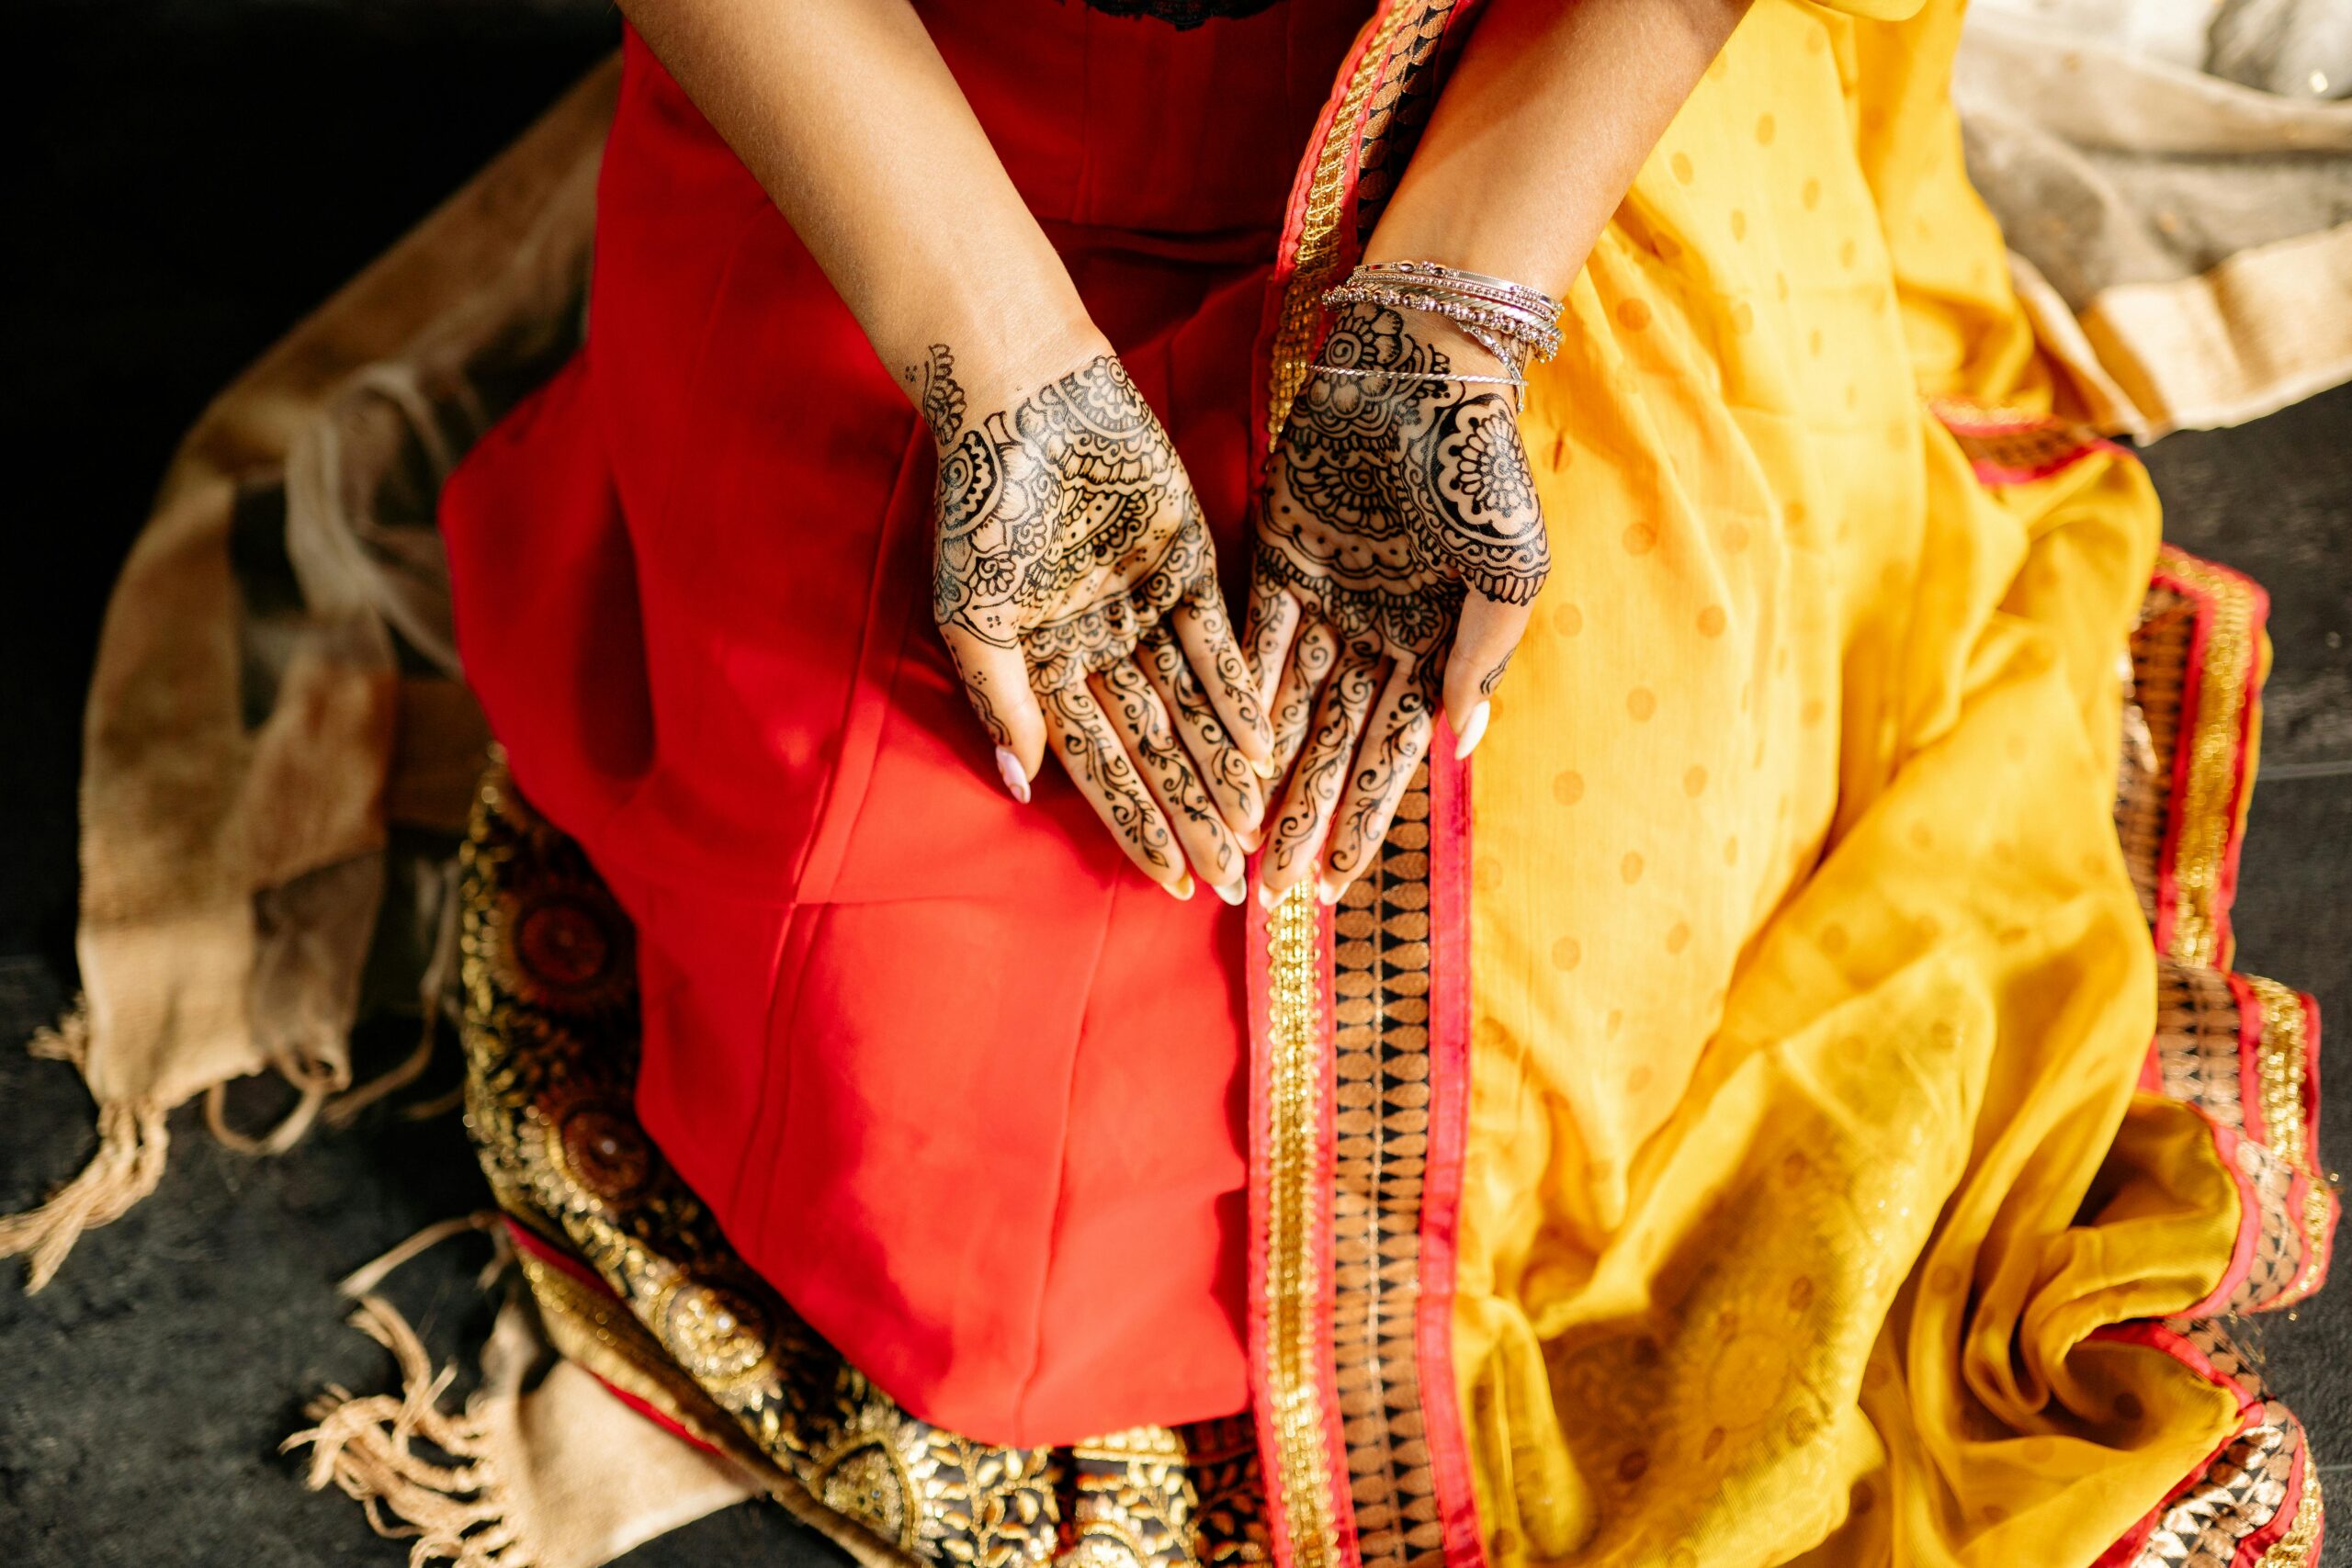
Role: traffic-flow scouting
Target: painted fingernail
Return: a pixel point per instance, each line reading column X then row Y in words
column 1269, row 769
column 1250, row 838
column 1180, row 891
column 1268, row 898
column 1016, row 777
column 1330, row 888
column 1235, row 891
column 1473, row 731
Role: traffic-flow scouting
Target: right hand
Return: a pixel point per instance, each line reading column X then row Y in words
column 1400, row 548
column 1076, row 588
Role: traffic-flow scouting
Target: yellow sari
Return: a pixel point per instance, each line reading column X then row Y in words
column 1810, row 993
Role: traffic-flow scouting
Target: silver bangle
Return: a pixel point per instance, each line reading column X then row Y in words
column 1418, row 375
column 1508, row 320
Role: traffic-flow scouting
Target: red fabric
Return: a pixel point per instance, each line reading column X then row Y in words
column 965, row 1087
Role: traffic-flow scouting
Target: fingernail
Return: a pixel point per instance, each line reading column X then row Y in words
column 1330, row 888
column 1268, row 898
column 1180, row 891
column 1250, row 838
column 1473, row 731
column 1235, row 891
column 1016, row 777
column 1269, row 769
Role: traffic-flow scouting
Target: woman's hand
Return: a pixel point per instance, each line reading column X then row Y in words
column 1076, row 588
column 1401, row 547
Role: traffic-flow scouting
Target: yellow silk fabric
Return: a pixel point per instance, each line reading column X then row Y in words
column 1810, row 990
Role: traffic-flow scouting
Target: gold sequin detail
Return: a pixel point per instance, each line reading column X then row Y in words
column 1293, row 1267
column 2209, row 816
column 2285, row 1057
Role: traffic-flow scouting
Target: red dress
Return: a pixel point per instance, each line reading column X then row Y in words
column 955, row 1078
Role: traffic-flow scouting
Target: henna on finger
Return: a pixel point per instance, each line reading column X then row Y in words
column 1206, row 634
column 1232, row 782
column 1304, row 821
column 1312, row 657
column 1135, row 710
column 1272, row 622
column 1395, row 739
column 1089, row 748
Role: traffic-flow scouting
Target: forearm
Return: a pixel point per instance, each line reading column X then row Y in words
column 1541, row 126
column 846, row 115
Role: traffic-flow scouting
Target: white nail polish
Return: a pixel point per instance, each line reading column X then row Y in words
column 1267, row 899
column 1016, row 779
column 1235, row 891
column 1330, row 888
column 1473, row 731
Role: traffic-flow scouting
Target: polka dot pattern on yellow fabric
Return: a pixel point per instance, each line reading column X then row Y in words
column 1642, row 702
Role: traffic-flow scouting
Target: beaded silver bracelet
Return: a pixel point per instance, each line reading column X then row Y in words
column 1376, row 373
column 1508, row 320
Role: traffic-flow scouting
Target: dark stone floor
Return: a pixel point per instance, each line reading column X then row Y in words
column 196, row 174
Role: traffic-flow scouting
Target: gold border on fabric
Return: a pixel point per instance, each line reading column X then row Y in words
column 2294, row 1550
column 2284, row 1065
column 1293, row 1113
column 2208, row 805
column 1320, row 234
column 1301, row 1461
column 1381, row 1075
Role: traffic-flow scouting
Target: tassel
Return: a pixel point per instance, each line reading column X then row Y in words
column 128, row 1166
column 434, row 1002
column 456, row 1513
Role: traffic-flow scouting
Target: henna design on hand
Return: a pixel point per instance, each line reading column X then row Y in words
column 1068, row 544
column 1390, row 498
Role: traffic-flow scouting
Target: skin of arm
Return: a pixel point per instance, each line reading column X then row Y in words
column 1074, row 583
column 845, row 114
column 1356, row 607
column 1543, row 124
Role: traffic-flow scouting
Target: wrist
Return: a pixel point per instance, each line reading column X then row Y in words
column 1001, row 356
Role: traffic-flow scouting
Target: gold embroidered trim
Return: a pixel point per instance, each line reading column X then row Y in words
column 1380, row 1111
column 1301, row 1461
column 1317, row 258
column 2294, row 1550
column 2208, row 812
column 2285, row 1060
column 1293, row 1107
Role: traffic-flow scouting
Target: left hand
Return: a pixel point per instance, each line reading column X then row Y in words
column 1399, row 551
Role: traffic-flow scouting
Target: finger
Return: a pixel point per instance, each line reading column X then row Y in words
column 1396, row 738
column 1312, row 656
column 1097, row 762
column 1137, row 713
column 996, row 681
column 1207, row 633
column 1293, row 848
column 1273, row 620
column 1483, row 645
column 1232, row 780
